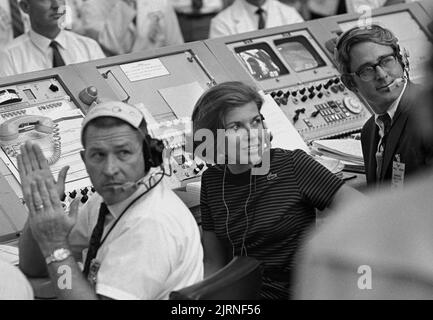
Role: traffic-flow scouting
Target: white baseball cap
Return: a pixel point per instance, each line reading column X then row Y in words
column 114, row 109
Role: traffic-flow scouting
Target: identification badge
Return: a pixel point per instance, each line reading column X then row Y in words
column 93, row 271
column 398, row 169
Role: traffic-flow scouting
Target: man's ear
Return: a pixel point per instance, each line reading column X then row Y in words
column 24, row 5
column 348, row 82
column 82, row 156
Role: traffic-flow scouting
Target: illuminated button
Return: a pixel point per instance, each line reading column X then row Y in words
column 304, row 98
column 294, row 93
column 273, row 94
column 320, row 95
column 287, row 94
column 311, row 89
column 54, row 88
column 302, row 91
column 312, row 95
column 319, row 87
column 337, row 80
column 73, row 194
column 279, row 93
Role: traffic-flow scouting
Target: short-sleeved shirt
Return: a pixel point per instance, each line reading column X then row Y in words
column 13, row 284
column 267, row 215
column 154, row 249
column 32, row 52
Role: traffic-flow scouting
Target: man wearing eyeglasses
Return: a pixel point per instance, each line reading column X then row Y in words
column 373, row 66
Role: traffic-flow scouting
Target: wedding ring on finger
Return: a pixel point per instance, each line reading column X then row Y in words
column 39, row 207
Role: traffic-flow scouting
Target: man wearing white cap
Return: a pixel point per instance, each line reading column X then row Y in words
column 145, row 242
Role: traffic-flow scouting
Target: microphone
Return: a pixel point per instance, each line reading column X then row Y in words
column 397, row 83
column 135, row 184
column 128, row 185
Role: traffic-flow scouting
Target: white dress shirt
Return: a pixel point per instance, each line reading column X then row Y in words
column 31, row 52
column 6, row 31
column 391, row 112
column 241, row 17
column 153, row 250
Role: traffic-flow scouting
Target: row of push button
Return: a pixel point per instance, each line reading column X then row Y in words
column 13, row 114
column 50, row 106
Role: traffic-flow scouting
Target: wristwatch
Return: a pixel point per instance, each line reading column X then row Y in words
column 58, row 255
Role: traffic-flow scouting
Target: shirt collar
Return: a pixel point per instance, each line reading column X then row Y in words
column 43, row 43
column 252, row 8
column 117, row 208
column 393, row 108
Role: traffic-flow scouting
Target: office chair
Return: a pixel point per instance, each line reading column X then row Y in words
column 241, row 279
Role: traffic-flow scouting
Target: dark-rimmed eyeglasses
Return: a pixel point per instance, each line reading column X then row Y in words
column 368, row 72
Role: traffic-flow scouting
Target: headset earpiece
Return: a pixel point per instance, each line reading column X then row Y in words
column 268, row 132
column 348, row 81
column 403, row 57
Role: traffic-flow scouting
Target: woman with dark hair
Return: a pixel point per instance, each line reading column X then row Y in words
column 251, row 212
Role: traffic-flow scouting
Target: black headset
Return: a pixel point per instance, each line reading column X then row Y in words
column 152, row 150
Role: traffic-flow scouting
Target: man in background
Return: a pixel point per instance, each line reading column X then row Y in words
column 250, row 15
column 46, row 45
column 13, row 22
column 125, row 26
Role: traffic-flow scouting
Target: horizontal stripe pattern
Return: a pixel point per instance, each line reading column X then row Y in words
column 280, row 209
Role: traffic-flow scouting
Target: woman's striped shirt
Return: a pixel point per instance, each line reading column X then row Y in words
column 266, row 216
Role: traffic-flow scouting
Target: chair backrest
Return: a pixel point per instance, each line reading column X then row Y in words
column 241, row 279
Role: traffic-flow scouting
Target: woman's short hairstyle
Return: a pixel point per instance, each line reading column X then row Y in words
column 356, row 35
column 212, row 106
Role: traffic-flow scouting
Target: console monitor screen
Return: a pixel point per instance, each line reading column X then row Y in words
column 261, row 61
column 299, row 53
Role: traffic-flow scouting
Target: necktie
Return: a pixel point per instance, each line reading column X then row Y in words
column 57, row 57
column 261, row 13
column 17, row 20
column 95, row 239
column 386, row 121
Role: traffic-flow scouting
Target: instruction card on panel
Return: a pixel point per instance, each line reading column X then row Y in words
column 145, row 69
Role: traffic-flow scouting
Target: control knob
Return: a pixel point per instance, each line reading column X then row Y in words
column 353, row 105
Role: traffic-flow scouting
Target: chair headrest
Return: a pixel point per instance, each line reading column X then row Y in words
column 241, row 279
